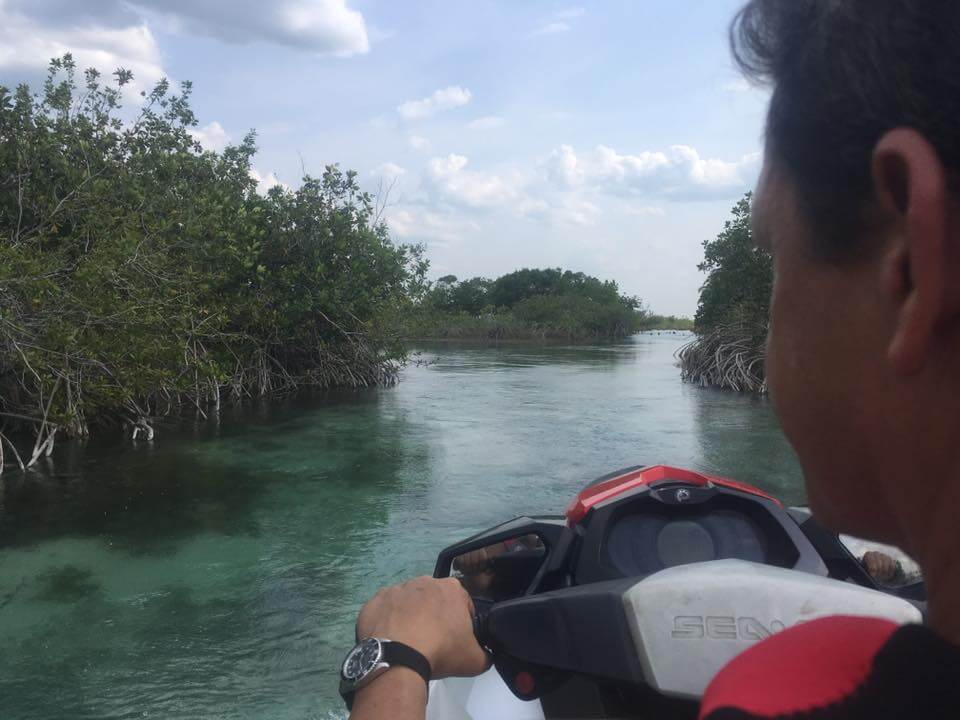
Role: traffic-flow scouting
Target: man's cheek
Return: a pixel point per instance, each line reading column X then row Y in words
column 769, row 370
column 782, row 365
column 773, row 352
column 774, row 377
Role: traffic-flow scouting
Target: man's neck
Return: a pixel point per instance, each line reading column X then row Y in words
column 933, row 536
column 943, row 592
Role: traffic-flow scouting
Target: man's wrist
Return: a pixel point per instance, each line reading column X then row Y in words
column 399, row 690
column 419, row 641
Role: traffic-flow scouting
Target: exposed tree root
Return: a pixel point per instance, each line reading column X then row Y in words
column 728, row 357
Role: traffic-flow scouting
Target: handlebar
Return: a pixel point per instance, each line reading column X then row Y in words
column 480, row 628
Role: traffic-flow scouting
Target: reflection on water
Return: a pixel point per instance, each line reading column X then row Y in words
column 742, row 439
column 218, row 571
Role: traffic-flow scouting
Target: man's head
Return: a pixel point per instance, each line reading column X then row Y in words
column 857, row 202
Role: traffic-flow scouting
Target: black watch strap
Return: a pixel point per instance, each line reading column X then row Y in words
column 396, row 653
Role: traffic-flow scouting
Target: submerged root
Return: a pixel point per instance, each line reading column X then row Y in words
column 70, row 395
column 728, row 357
column 142, row 427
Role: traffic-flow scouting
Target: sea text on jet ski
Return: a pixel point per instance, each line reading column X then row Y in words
column 723, row 627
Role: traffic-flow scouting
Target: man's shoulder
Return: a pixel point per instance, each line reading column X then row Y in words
column 839, row 667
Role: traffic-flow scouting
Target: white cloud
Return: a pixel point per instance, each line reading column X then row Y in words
column 419, row 143
column 211, row 136
column 486, row 123
column 679, row 172
column 441, row 100
column 388, row 171
column 448, row 181
column 737, row 86
column 449, row 177
column 440, row 228
column 559, row 22
column 551, row 28
column 569, row 209
column 570, row 189
column 563, row 167
column 325, row 27
column 265, row 182
column 567, row 190
column 401, row 222
column 28, row 41
column 328, row 27
column 109, row 33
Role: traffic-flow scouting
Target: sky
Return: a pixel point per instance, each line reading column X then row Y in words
column 610, row 137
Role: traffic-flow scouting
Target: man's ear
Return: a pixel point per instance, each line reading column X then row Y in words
column 910, row 185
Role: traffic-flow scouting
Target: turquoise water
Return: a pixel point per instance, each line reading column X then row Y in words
column 216, row 573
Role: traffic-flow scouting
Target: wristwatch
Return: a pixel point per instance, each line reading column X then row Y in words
column 371, row 658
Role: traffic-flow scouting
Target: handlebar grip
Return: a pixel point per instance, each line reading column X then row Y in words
column 480, row 629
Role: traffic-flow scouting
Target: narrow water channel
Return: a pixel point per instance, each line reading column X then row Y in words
column 216, row 573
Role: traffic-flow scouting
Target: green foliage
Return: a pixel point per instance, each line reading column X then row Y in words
column 428, row 322
column 139, row 273
column 732, row 315
column 509, row 290
column 470, row 296
column 740, row 275
column 528, row 303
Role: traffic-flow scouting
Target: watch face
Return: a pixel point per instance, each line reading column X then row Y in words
column 362, row 659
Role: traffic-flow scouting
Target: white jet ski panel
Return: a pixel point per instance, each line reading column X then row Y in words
column 690, row 621
column 485, row 697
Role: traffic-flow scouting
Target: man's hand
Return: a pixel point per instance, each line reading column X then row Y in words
column 473, row 562
column 432, row 616
column 475, row 566
column 880, row 566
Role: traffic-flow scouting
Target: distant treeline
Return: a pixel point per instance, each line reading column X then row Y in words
column 667, row 322
column 141, row 276
column 532, row 304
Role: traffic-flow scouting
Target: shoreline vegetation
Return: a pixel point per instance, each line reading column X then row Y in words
column 143, row 277
column 733, row 311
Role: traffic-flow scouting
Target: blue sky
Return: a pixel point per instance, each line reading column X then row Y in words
column 609, row 137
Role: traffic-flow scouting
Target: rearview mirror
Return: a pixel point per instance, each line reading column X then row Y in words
column 507, row 561
column 501, row 570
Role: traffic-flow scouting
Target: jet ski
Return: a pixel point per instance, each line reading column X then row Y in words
column 651, row 581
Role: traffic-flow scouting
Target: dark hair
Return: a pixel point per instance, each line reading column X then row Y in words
column 843, row 73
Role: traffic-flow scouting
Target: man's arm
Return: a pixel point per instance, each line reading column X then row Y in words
column 435, row 617
column 399, row 693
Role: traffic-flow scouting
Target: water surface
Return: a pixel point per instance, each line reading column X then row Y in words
column 217, row 571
